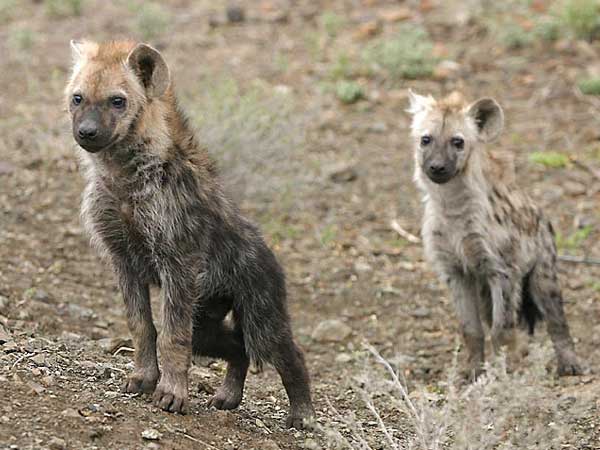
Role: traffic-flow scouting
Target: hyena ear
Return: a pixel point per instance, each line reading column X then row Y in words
column 76, row 50
column 488, row 117
column 150, row 67
column 418, row 102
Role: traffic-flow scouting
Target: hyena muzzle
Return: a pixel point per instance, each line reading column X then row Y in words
column 488, row 241
column 154, row 207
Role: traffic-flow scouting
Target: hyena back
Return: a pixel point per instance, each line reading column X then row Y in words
column 486, row 239
column 154, row 207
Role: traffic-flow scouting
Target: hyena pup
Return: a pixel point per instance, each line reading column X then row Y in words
column 154, row 207
column 486, row 239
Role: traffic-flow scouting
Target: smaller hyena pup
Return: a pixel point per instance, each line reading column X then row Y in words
column 485, row 238
column 154, row 207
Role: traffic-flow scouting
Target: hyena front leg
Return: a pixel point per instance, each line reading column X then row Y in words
column 467, row 303
column 502, row 294
column 174, row 343
column 139, row 319
column 545, row 291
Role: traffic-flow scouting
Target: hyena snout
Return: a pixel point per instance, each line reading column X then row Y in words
column 440, row 171
column 90, row 133
column 87, row 130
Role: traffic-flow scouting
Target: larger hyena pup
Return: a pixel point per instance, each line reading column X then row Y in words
column 154, row 207
column 487, row 240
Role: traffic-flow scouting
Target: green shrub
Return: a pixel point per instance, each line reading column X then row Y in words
column 63, row 8
column 581, row 17
column 407, row 55
column 550, row 159
column 590, row 86
column 332, row 23
column 349, row 91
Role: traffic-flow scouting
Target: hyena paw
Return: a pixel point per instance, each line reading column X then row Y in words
column 171, row 397
column 300, row 418
column 140, row 383
column 226, row 398
column 569, row 367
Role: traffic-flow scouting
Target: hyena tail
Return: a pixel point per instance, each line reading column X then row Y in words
column 529, row 313
column 265, row 326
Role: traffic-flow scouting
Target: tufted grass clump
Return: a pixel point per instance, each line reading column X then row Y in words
column 408, row 55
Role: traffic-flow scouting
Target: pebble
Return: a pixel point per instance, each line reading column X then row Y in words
column 40, row 295
column 446, row 69
column 36, row 389
column 332, row 330
column 70, row 412
column 344, row 175
column 39, row 359
column 235, row 14
column 150, row 434
column 343, row 358
column 574, row 188
column 57, row 444
column 4, row 336
column 269, row 445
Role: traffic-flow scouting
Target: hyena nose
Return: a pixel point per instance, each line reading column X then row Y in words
column 437, row 169
column 87, row 131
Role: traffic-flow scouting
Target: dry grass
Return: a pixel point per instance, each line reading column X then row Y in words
column 257, row 137
column 501, row 410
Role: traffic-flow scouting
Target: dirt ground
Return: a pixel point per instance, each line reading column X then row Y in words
column 61, row 316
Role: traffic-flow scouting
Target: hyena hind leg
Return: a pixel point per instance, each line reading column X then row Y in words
column 289, row 362
column 545, row 292
column 215, row 339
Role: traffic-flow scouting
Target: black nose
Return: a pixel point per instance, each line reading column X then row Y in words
column 437, row 169
column 87, row 131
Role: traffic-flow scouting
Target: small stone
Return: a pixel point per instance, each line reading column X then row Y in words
column 269, row 445
column 343, row 358
column 4, row 419
column 70, row 412
column 48, row 381
column 3, row 304
column 35, row 388
column 235, row 14
column 56, row 443
column 111, row 394
column 6, row 168
column 150, row 434
column 574, row 188
column 421, row 313
column 377, row 127
column 396, row 15
column 446, row 69
column 344, row 175
column 39, row 359
column 152, row 446
column 40, row 295
column 368, row 29
column 4, row 336
column 362, row 267
column 332, row 330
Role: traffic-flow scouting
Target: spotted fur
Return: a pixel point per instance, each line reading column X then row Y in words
column 154, row 207
column 485, row 238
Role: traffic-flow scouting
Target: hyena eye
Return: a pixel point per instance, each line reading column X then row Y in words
column 458, row 142
column 118, row 102
column 426, row 140
column 77, row 99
